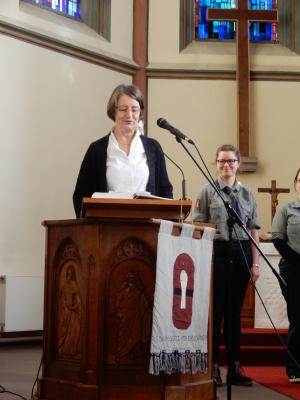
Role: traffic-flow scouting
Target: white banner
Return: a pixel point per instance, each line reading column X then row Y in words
column 181, row 302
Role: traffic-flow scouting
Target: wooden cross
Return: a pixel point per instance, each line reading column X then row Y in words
column 274, row 191
column 242, row 15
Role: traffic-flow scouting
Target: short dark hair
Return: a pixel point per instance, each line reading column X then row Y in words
column 131, row 91
column 229, row 147
column 295, row 180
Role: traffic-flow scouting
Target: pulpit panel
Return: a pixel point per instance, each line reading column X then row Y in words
column 99, row 291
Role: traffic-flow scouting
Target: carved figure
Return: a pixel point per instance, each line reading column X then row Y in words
column 69, row 314
column 132, row 307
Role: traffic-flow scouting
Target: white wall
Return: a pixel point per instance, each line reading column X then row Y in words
column 205, row 110
column 52, row 107
column 190, row 106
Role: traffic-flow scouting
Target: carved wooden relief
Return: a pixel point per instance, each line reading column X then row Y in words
column 130, row 293
column 69, row 302
column 91, row 314
column 100, row 278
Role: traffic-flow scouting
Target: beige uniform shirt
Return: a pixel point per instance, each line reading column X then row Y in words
column 210, row 208
column 286, row 225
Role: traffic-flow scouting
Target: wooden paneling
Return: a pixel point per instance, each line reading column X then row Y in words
column 100, row 277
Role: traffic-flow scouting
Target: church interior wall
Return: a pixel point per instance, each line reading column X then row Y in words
column 189, row 106
column 52, row 107
column 164, row 49
column 205, row 110
column 49, row 24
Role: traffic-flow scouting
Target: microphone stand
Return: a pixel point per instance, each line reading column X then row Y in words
column 230, row 223
column 231, row 212
column 233, row 218
column 183, row 185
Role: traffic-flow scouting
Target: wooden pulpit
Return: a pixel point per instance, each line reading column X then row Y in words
column 99, row 287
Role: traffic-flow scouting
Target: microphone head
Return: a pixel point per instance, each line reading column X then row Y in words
column 161, row 122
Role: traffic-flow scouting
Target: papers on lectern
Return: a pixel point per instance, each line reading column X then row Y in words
column 125, row 195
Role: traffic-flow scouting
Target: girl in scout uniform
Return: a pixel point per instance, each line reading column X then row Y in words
column 286, row 239
column 210, row 208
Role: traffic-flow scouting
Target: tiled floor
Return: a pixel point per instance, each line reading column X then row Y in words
column 19, row 364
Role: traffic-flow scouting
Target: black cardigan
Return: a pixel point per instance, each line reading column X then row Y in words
column 92, row 174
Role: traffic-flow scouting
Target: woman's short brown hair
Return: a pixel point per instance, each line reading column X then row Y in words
column 229, row 147
column 129, row 90
column 296, row 177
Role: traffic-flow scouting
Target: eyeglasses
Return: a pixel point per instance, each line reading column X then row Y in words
column 229, row 162
column 125, row 109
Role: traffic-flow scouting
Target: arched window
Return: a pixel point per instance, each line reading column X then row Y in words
column 93, row 13
column 224, row 30
column 287, row 28
column 70, row 8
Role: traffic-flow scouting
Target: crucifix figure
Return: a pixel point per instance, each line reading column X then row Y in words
column 274, row 192
column 242, row 15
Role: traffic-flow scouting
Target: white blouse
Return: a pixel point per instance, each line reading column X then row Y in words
column 126, row 173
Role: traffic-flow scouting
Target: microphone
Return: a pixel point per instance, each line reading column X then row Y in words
column 183, row 178
column 163, row 123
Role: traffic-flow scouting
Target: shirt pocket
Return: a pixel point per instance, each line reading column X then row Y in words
column 294, row 219
column 293, row 228
column 217, row 212
column 245, row 212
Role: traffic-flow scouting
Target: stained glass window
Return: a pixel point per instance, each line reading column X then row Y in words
column 68, row 7
column 224, row 30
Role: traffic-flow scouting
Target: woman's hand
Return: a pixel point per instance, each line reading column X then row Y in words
column 255, row 272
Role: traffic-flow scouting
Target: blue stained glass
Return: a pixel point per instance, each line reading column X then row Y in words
column 203, row 31
column 68, row 7
column 202, row 14
column 224, row 30
column 215, row 26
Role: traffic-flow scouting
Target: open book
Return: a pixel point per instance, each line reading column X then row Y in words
column 126, row 195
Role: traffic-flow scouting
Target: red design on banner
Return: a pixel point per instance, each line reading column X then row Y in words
column 183, row 291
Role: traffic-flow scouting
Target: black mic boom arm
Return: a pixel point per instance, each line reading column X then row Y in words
column 164, row 124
